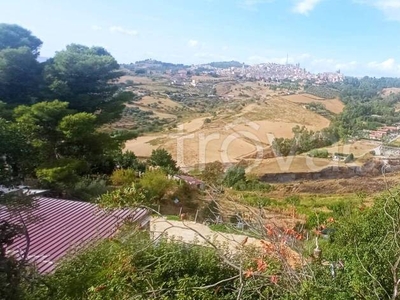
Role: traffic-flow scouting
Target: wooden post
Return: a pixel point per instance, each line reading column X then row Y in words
column 180, row 211
column 158, row 208
column 195, row 218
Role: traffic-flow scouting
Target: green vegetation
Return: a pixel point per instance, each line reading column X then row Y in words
column 128, row 267
column 304, row 140
column 213, row 173
column 62, row 145
column 322, row 91
column 319, row 153
column 320, row 109
column 161, row 158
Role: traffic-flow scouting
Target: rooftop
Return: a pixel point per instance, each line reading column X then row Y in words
column 63, row 225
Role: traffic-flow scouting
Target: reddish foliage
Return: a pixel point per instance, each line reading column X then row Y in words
column 274, row 279
column 261, row 265
column 249, row 273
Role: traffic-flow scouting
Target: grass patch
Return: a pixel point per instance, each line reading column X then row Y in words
column 173, row 218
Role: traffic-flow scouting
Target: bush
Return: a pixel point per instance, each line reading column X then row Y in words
column 319, row 153
column 234, row 175
column 88, row 189
column 155, row 184
column 122, row 177
column 253, row 185
column 349, row 158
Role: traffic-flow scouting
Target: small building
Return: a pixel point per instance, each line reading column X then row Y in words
column 192, row 181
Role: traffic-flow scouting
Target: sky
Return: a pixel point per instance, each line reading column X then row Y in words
column 359, row 37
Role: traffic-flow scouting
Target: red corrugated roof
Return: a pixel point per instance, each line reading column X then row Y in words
column 62, row 225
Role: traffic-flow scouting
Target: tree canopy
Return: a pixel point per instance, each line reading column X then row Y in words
column 14, row 36
column 82, row 76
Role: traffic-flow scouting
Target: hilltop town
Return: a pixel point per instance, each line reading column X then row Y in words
column 267, row 72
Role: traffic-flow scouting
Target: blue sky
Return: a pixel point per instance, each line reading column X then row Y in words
column 360, row 37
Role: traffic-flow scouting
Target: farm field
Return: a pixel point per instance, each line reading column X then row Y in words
column 163, row 103
column 279, row 110
column 358, row 148
column 244, row 89
column 230, row 139
column 299, row 163
column 333, row 105
column 243, row 131
column 156, row 112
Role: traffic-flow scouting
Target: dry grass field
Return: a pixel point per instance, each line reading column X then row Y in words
column 358, row 148
column 136, row 79
column 244, row 90
column 244, row 132
column 334, row 105
column 280, row 110
column 389, row 91
column 163, row 103
column 299, row 163
column 141, row 146
column 230, row 138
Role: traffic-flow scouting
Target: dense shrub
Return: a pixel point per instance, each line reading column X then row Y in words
column 122, row 177
column 319, row 153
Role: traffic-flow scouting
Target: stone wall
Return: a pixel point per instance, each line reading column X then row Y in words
column 369, row 169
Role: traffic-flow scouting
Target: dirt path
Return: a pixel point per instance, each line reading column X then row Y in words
column 196, row 233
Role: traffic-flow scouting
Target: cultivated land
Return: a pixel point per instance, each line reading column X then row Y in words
column 237, row 124
column 230, row 138
column 333, row 105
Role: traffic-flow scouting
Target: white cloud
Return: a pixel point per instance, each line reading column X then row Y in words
column 122, row 30
column 193, row 43
column 305, row 6
column 96, row 27
column 390, row 8
column 387, row 65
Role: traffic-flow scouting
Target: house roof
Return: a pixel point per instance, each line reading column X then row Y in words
column 190, row 179
column 62, row 225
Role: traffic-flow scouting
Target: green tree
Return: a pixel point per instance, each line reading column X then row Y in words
column 81, row 140
column 163, row 159
column 17, row 156
column 61, row 174
column 128, row 160
column 20, row 72
column 156, row 184
column 40, row 122
column 213, row 173
column 20, row 76
column 14, row 36
column 283, row 147
column 83, row 76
